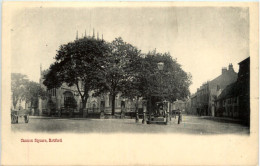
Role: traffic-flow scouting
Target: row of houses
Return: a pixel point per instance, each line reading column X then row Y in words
column 225, row 96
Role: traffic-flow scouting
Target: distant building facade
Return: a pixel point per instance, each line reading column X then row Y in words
column 234, row 100
column 193, row 104
column 202, row 102
column 188, row 106
column 178, row 105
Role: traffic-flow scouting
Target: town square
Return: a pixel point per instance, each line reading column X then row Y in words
column 190, row 125
column 130, row 83
column 113, row 85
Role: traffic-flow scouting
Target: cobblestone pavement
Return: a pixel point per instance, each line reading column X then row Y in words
column 189, row 125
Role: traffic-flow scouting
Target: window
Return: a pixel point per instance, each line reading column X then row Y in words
column 229, row 101
column 52, row 92
column 235, row 100
column 68, row 99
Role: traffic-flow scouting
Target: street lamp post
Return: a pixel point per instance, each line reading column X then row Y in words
column 160, row 66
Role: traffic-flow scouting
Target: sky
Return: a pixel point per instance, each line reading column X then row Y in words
column 202, row 39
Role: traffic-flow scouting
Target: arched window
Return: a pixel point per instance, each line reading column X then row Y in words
column 67, row 96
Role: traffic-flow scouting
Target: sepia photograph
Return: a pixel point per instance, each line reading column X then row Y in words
column 160, row 73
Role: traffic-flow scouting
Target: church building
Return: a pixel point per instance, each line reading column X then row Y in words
column 59, row 96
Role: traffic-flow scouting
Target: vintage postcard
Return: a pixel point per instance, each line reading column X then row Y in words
column 130, row 83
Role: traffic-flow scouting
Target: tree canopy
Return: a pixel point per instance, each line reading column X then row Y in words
column 23, row 89
column 117, row 67
column 170, row 83
column 78, row 63
column 33, row 91
column 18, row 84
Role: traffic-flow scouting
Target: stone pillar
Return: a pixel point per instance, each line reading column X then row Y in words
column 213, row 110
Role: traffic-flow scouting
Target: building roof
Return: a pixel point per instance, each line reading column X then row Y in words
column 234, row 89
column 223, row 80
column 245, row 60
column 228, row 92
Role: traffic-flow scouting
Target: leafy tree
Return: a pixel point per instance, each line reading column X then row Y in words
column 18, row 84
column 171, row 83
column 79, row 63
column 33, row 91
column 118, row 69
column 132, row 87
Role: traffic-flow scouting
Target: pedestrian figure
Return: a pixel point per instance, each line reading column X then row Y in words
column 179, row 118
column 137, row 117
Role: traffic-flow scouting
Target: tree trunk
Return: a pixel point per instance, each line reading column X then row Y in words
column 150, row 108
column 113, row 104
column 136, row 109
column 14, row 102
column 84, row 103
column 32, row 104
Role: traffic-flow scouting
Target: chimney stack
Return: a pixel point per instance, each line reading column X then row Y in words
column 230, row 67
column 224, row 70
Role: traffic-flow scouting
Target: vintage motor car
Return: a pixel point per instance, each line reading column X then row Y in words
column 159, row 112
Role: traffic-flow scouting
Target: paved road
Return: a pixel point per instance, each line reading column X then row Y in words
column 190, row 125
